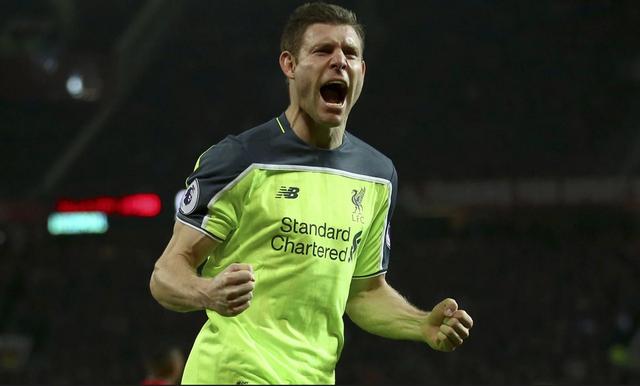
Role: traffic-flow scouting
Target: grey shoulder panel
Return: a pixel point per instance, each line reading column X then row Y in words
column 214, row 170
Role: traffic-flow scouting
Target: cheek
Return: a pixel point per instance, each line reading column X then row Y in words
column 305, row 84
column 302, row 80
column 358, row 85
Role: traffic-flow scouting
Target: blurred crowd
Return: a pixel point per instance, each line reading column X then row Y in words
column 554, row 298
column 536, row 89
column 552, row 302
column 84, row 304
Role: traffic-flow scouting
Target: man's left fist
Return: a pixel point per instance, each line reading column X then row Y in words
column 446, row 327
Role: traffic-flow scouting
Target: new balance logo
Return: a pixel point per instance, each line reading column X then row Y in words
column 290, row 192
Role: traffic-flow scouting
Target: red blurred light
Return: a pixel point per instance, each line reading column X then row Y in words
column 137, row 205
column 105, row 204
column 144, row 205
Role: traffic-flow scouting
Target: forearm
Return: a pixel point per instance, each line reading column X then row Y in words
column 383, row 311
column 176, row 285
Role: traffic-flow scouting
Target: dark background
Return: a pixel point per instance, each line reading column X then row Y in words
column 514, row 127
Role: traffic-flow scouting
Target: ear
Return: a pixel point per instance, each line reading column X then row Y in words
column 364, row 68
column 287, row 64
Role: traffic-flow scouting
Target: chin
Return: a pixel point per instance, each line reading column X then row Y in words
column 331, row 120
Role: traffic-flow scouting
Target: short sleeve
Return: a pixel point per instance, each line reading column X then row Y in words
column 375, row 252
column 211, row 202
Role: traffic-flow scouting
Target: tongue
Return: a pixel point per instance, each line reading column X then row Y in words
column 330, row 94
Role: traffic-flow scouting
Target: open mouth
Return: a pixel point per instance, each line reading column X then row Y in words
column 334, row 92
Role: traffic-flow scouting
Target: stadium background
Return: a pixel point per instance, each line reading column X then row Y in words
column 513, row 127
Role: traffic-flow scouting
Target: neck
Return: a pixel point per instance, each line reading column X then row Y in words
column 314, row 134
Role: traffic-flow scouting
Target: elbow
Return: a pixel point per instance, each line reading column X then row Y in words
column 161, row 292
column 155, row 287
column 153, row 284
column 352, row 309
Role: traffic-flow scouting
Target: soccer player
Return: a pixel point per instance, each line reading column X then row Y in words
column 289, row 223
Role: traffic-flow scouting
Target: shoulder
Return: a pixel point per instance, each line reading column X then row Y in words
column 228, row 154
column 259, row 135
column 373, row 159
column 236, row 152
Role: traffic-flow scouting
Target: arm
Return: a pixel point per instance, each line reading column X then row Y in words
column 379, row 309
column 176, row 285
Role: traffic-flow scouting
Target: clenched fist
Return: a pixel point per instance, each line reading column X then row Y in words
column 230, row 292
column 446, row 327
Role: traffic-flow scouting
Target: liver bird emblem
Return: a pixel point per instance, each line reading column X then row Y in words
column 356, row 199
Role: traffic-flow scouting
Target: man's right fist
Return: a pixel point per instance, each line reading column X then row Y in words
column 230, row 292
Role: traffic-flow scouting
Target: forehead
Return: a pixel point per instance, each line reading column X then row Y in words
column 329, row 33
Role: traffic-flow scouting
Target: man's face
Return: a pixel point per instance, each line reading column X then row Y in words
column 328, row 73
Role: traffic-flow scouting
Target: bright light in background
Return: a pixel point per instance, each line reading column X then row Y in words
column 141, row 205
column 136, row 205
column 75, row 86
column 84, row 81
column 77, row 223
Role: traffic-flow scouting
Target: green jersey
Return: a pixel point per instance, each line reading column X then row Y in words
column 309, row 221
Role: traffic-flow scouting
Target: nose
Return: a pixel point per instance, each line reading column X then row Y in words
column 339, row 61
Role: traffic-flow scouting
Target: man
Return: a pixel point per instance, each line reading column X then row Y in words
column 163, row 366
column 291, row 221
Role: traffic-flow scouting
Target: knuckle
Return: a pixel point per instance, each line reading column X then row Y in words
column 239, row 309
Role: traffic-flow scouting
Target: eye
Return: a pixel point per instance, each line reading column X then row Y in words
column 351, row 54
column 322, row 50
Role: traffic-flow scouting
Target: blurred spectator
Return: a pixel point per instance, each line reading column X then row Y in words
column 164, row 367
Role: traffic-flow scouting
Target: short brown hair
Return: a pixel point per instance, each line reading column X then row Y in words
column 312, row 13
